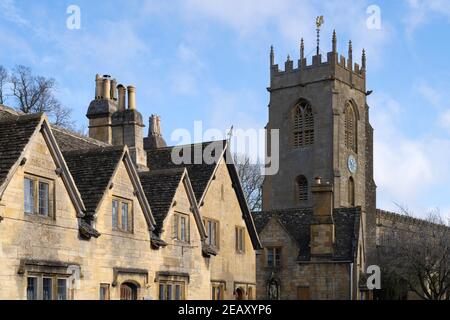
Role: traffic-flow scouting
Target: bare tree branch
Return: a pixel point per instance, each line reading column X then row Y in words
column 252, row 179
column 3, row 82
column 419, row 254
column 35, row 94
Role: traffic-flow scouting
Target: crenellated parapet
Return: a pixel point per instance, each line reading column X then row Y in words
column 332, row 67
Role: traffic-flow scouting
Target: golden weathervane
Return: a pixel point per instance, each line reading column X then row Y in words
column 319, row 22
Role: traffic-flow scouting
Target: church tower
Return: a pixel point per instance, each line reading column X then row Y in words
column 322, row 115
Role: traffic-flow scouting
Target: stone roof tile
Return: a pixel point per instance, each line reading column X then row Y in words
column 297, row 222
column 160, row 187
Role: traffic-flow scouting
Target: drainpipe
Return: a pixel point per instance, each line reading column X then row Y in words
column 351, row 281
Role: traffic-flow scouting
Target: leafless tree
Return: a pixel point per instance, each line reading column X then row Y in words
column 3, row 82
column 418, row 255
column 37, row 94
column 252, row 179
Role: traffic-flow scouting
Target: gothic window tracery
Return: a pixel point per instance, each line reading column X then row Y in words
column 350, row 128
column 303, row 125
column 302, row 188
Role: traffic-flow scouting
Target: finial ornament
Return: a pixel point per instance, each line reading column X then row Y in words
column 319, row 22
column 302, row 49
column 334, row 41
column 272, row 56
column 364, row 59
column 288, row 58
column 350, row 50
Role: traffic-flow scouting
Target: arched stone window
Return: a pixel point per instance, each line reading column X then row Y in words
column 302, row 188
column 302, row 125
column 351, row 192
column 350, row 128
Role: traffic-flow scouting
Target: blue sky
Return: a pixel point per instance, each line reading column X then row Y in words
column 208, row 60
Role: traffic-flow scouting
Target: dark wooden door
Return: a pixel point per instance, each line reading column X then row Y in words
column 128, row 292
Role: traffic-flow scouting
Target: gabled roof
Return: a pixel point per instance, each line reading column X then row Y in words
column 202, row 173
column 15, row 133
column 92, row 170
column 68, row 140
column 297, row 223
column 160, row 187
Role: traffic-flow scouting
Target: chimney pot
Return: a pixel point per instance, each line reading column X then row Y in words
column 113, row 93
column 106, row 89
column 122, row 92
column 131, row 97
column 98, row 86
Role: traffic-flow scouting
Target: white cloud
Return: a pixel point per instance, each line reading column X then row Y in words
column 290, row 20
column 420, row 12
column 409, row 172
column 10, row 12
column 444, row 120
column 430, row 94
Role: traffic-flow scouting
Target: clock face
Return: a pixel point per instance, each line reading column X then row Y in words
column 352, row 164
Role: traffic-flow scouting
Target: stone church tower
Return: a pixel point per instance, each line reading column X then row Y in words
column 323, row 120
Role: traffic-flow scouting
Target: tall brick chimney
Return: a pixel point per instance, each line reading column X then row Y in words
column 101, row 109
column 112, row 122
column 322, row 224
column 155, row 139
column 127, row 127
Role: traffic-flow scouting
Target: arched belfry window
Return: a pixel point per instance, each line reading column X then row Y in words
column 302, row 188
column 350, row 128
column 303, row 125
column 351, row 192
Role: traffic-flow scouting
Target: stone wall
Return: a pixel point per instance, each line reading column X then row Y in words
column 237, row 270
column 117, row 257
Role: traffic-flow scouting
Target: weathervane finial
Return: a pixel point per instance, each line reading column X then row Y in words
column 319, row 22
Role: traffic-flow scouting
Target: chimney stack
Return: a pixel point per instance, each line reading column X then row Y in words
column 322, row 224
column 122, row 93
column 131, row 97
column 106, row 88
column 155, row 139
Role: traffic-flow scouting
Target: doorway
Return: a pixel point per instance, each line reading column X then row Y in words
column 128, row 291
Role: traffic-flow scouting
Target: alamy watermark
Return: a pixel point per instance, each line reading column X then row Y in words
column 257, row 144
column 373, row 22
column 73, row 22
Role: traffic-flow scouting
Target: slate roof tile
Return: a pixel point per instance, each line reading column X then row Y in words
column 92, row 170
column 15, row 133
column 160, row 187
column 297, row 222
column 199, row 173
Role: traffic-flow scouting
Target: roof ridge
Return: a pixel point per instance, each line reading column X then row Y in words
column 162, row 171
column 10, row 110
column 79, row 136
column 188, row 144
column 21, row 117
column 94, row 150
